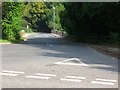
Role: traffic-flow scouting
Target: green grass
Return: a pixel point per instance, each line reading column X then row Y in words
column 4, row 41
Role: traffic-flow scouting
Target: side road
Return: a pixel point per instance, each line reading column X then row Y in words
column 108, row 50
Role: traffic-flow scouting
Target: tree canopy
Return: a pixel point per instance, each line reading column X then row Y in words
column 92, row 21
column 11, row 20
column 82, row 21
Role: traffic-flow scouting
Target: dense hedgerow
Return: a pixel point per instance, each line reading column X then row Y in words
column 11, row 20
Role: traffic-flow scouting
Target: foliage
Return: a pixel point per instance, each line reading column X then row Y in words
column 51, row 21
column 38, row 12
column 34, row 14
column 3, row 41
column 11, row 20
column 91, row 21
column 114, row 38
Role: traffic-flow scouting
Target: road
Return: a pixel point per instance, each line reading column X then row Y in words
column 47, row 61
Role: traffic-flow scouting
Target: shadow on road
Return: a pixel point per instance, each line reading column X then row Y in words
column 60, row 48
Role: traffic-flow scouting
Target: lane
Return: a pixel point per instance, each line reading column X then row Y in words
column 36, row 56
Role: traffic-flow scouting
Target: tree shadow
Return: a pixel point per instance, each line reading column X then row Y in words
column 61, row 48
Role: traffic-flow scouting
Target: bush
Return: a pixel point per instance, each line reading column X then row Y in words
column 114, row 38
column 12, row 20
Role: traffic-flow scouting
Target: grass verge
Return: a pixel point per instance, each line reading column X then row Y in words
column 4, row 41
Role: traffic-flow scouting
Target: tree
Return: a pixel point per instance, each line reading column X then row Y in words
column 91, row 21
column 38, row 12
column 12, row 20
column 59, row 7
column 41, row 13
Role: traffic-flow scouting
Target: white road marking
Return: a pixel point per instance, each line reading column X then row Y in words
column 8, row 74
column 76, row 77
column 72, row 80
column 105, row 83
column 51, row 45
column 60, row 63
column 72, row 59
column 38, row 77
column 6, row 71
column 45, row 74
column 106, row 80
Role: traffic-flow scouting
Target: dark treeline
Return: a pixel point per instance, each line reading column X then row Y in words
column 93, row 22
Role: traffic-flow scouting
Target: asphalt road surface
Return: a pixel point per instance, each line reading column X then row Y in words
column 47, row 61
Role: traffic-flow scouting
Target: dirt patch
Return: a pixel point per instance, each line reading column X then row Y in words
column 110, row 51
column 6, row 43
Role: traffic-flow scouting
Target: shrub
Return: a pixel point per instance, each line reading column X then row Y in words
column 12, row 20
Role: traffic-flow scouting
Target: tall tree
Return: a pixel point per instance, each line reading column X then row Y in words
column 54, row 21
column 38, row 12
column 92, row 21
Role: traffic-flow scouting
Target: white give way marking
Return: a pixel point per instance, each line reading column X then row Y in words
column 10, row 73
column 104, row 81
column 41, row 76
column 73, row 78
column 100, row 81
column 72, row 61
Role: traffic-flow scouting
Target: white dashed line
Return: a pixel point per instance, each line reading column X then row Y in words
column 6, row 71
column 101, row 81
column 106, row 80
column 72, row 80
column 45, row 74
column 38, row 77
column 76, row 77
column 41, row 76
column 105, row 83
column 8, row 74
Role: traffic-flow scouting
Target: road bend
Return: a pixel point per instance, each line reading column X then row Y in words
column 46, row 60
